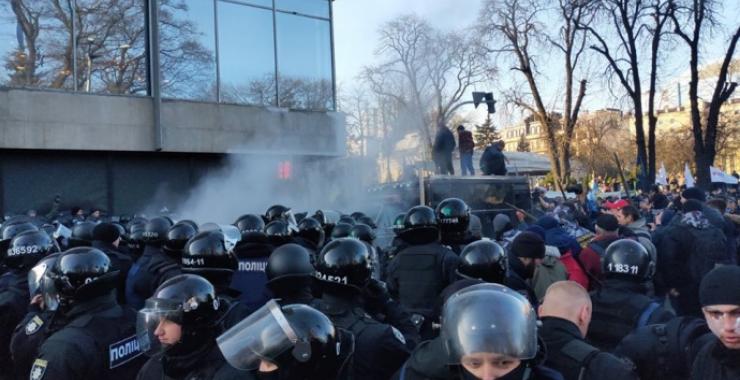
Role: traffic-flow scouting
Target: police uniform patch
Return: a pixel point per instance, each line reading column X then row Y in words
column 398, row 335
column 33, row 325
column 123, row 351
column 39, row 369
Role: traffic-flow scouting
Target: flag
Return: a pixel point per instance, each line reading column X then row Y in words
column 718, row 175
column 662, row 177
column 688, row 179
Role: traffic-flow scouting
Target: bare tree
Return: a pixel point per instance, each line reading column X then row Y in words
column 515, row 23
column 631, row 28
column 690, row 20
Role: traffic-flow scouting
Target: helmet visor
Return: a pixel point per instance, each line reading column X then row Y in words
column 49, row 292
column 158, row 325
column 35, row 275
column 483, row 320
column 231, row 236
column 264, row 335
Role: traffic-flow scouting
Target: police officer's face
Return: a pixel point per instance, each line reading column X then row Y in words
column 724, row 321
column 488, row 366
column 168, row 332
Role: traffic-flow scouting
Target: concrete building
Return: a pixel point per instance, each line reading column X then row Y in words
column 107, row 102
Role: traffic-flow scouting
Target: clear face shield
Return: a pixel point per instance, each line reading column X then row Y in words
column 489, row 318
column 264, row 335
column 158, row 325
column 49, row 292
column 35, row 276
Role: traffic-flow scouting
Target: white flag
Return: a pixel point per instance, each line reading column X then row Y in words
column 718, row 175
column 688, row 179
column 662, row 178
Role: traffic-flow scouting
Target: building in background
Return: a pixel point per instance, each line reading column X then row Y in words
column 113, row 103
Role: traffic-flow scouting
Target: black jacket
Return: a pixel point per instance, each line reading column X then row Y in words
column 517, row 279
column 492, row 161
column 148, row 272
column 14, row 300
column 205, row 364
column 716, row 362
column 120, row 262
column 559, row 336
column 444, row 141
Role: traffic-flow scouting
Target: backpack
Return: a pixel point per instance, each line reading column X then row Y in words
column 708, row 248
column 582, row 353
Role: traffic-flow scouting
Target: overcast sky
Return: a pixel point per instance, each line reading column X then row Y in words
column 356, row 23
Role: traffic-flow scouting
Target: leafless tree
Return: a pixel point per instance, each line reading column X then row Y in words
column 691, row 20
column 514, row 28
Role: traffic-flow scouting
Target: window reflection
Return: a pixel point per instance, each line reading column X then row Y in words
column 304, row 62
column 187, row 49
column 318, row 8
column 263, row 3
column 247, row 58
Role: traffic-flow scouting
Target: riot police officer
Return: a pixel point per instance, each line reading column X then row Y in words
column 178, row 328
column 82, row 234
column 252, row 252
column 292, row 342
column 98, row 338
column 488, row 332
column 621, row 304
column 343, row 270
column 177, row 237
column 341, row 230
column 453, row 217
column 206, row 255
column 419, row 273
column 25, row 250
column 290, row 274
column 310, row 235
column 483, row 260
column 153, row 267
column 278, row 232
column 107, row 237
column 397, row 244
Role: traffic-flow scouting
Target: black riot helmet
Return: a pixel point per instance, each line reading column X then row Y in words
column 341, row 230
column 344, row 263
column 205, row 254
column 398, row 225
column 155, row 231
column 37, row 273
column 276, row 212
column 488, row 318
column 420, row 226
column 250, row 226
column 80, row 274
column 367, row 220
column 289, row 261
column 82, row 234
column 310, row 229
column 357, row 215
column 453, row 215
column 278, row 233
column 483, row 260
column 299, row 339
column 27, row 248
column 326, row 217
column 628, row 259
column 347, row 219
column 188, row 300
column 363, row 232
column 177, row 237
column 135, row 239
column 11, row 230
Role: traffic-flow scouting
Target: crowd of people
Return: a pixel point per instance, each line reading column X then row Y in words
column 641, row 288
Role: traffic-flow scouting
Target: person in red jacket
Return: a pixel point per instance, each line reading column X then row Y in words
column 466, row 146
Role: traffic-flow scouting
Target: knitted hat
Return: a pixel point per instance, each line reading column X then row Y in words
column 528, row 244
column 721, row 286
column 607, row 222
column 694, row 193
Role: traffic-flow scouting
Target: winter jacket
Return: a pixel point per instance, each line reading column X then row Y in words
column 492, row 161
column 550, row 271
column 465, row 142
column 444, row 141
column 716, row 362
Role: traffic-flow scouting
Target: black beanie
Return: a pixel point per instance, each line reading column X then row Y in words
column 691, row 205
column 528, row 244
column 607, row 222
column 694, row 193
column 106, row 232
column 721, row 286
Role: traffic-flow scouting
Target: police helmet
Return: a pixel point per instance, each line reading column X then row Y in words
column 363, row 232
column 311, row 230
column 347, row 219
column 38, row 271
column 155, row 231
column 177, row 237
column 278, row 232
column 188, row 300
column 367, row 220
column 341, row 230
column 420, row 217
column 82, row 234
column 357, row 215
column 344, row 262
column 276, row 212
column 326, row 217
column 27, row 248
column 398, row 225
column 627, row 258
column 453, row 215
column 483, row 260
column 488, row 318
column 80, row 274
column 250, row 225
column 289, row 261
column 10, row 231
column 206, row 254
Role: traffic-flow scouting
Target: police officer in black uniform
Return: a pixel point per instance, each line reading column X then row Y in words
column 289, row 342
column 178, row 327
column 290, row 275
column 82, row 234
column 153, row 267
column 278, row 232
column 206, row 255
column 107, row 237
column 252, row 252
column 310, row 235
column 135, row 239
column 621, row 304
column 341, row 230
column 397, row 244
column 177, row 237
column 343, row 270
column 419, row 273
column 97, row 339
column 453, row 216
column 25, row 250
column 35, row 326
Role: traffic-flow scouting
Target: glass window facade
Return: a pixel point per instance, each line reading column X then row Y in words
column 233, row 51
